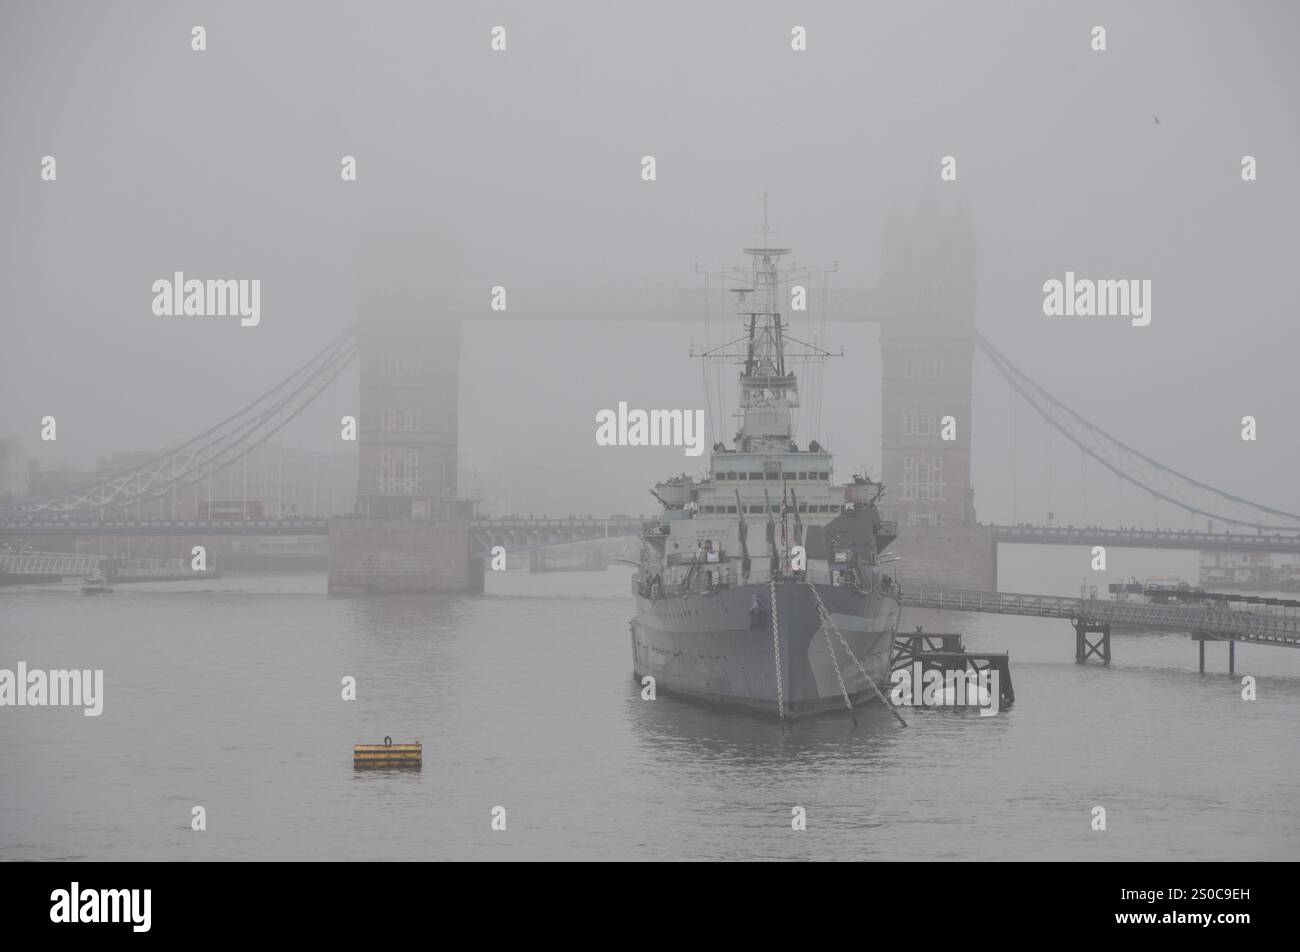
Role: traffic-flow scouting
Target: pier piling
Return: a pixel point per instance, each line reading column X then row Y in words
column 1085, row 647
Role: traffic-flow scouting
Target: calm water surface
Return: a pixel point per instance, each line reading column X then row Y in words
column 227, row 694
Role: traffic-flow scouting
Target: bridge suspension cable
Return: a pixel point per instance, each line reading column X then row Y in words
column 219, row 446
column 1131, row 465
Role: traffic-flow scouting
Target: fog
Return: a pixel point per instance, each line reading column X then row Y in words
column 226, row 163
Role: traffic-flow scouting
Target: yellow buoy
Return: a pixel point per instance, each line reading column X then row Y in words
column 387, row 754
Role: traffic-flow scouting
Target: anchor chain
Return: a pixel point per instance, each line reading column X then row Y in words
column 825, row 615
column 844, row 691
column 831, row 626
column 776, row 656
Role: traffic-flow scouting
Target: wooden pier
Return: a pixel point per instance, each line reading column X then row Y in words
column 1219, row 617
column 943, row 652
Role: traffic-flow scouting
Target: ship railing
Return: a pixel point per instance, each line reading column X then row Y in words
column 724, row 575
column 821, row 574
column 1218, row 623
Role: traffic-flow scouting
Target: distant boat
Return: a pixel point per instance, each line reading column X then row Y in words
column 96, row 585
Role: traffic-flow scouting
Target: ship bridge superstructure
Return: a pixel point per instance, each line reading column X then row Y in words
column 764, row 474
column 769, row 390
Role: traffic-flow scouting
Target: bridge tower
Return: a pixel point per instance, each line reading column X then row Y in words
column 409, row 353
column 409, row 532
column 927, row 345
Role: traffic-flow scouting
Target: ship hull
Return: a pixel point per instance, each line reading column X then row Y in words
column 711, row 647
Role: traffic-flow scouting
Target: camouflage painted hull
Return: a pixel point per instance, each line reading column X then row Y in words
column 716, row 647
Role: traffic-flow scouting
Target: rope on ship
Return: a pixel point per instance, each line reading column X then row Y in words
column 830, row 626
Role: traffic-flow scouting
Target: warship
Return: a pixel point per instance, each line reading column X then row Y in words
column 804, row 625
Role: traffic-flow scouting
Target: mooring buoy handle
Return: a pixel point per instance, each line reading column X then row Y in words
column 388, row 741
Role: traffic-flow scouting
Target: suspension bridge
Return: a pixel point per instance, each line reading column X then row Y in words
column 113, row 505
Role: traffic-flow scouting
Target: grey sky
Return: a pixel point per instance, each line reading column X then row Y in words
column 226, row 164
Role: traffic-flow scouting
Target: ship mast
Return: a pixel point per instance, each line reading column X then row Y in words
column 768, row 389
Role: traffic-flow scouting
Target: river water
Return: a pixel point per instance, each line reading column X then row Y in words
column 226, row 694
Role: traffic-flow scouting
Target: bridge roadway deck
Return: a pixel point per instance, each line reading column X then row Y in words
column 48, row 563
column 560, row 530
column 90, row 524
column 1149, row 538
column 1264, row 625
column 87, row 526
